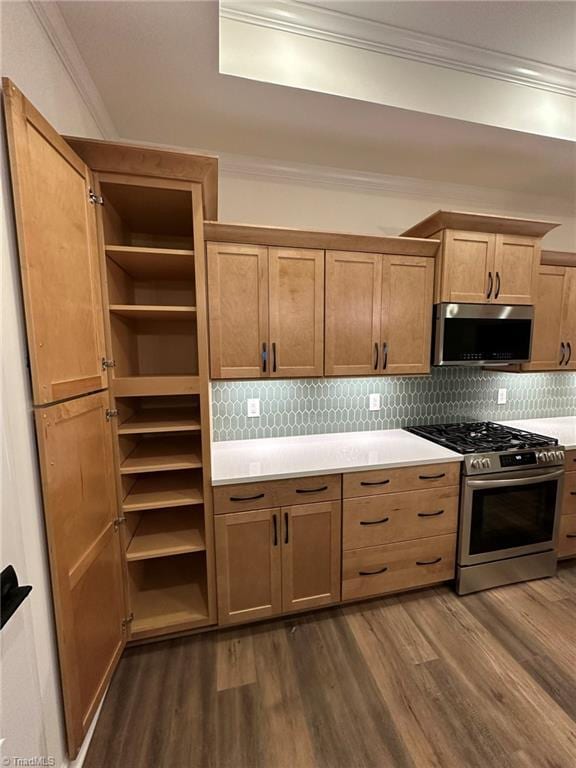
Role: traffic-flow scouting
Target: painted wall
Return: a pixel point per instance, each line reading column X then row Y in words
column 31, row 717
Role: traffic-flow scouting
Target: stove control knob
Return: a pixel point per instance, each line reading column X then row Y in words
column 559, row 455
column 544, row 457
column 486, row 463
column 475, row 464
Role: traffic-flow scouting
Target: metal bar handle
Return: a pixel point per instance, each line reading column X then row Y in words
column 520, row 481
column 571, row 535
column 312, row 490
column 384, row 355
column 431, row 514
column 264, row 357
column 375, row 482
column 275, row 523
column 286, row 537
column 490, row 285
column 497, row 285
column 373, row 573
column 247, row 498
column 428, row 562
column 569, row 346
column 377, row 358
column 432, row 477
column 374, row 522
column 562, row 353
column 274, row 367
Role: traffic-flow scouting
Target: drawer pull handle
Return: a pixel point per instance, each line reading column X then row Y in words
column 428, row 562
column 375, row 482
column 571, row 535
column 312, row 490
column 275, row 521
column 373, row 573
column 431, row 514
column 247, row 498
column 286, row 535
column 572, row 493
column 374, row 522
column 432, row 477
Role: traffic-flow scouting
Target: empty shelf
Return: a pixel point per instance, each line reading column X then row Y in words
column 153, row 263
column 168, row 532
column 160, row 420
column 159, row 454
column 126, row 386
column 153, row 311
column 165, row 489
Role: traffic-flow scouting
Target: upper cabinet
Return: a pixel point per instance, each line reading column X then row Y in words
column 293, row 303
column 484, row 259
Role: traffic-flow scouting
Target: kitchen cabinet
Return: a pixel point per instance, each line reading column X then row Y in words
column 567, row 532
column 266, row 308
column 378, row 314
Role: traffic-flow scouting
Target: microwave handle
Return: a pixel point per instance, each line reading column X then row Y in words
column 519, row 481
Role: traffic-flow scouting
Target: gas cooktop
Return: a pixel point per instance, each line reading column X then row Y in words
column 481, row 437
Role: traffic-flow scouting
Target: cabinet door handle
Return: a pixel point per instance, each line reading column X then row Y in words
column 264, row 357
column 428, row 562
column 490, row 285
column 312, row 490
column 377, row 358
column 432, row 477
column 431, row 514
column 373, row 573
column 273, row 357
column 572, row 493
column 247, row 498
column 286, row 537
column 562, row 353
column 374, row 482
column 275, row 524
column 569, row 346
column 374, row 522
column 384, row 356
column 497, row 285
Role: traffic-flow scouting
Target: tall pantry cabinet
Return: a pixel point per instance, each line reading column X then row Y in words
column 115, row 307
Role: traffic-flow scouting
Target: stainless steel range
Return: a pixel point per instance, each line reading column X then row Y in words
column 509, row 502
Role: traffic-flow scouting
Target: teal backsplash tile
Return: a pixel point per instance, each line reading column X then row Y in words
column 315, row 406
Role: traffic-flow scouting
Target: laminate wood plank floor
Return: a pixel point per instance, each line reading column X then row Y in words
column 422, row 680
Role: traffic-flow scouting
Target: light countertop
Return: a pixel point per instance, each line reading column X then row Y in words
column 563, row 428
column 239, row 461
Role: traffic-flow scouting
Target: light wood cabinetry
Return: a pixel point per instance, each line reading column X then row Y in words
column 378, row 314
column 567, row 534
column 276, row 493
column 266, row 309
column 421, row 477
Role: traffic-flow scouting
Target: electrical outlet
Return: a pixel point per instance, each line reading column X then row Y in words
column 502, row 396
column 253, row 406
column 374, row 401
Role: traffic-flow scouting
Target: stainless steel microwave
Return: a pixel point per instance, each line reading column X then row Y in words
column 482, row 334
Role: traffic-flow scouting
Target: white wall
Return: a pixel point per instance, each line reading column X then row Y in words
column 31, row 718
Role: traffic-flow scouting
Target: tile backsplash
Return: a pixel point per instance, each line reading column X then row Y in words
column 315, row 406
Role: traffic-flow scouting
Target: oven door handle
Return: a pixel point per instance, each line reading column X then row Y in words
column 519, row 481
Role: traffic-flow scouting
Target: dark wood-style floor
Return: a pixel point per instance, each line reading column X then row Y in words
column 424, row 679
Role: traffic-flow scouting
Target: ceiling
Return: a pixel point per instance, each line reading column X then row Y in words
column 155, row 65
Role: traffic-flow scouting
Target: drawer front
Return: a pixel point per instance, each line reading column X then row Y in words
column 276, row 493
column 570, row 462
column 567, row 537
column 403, row 479
column 395, row 567
column 569, row 499
column 373, row 520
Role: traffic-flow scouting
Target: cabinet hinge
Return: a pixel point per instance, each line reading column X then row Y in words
column 94, row 198
column 118, row 522
column 111, row 413
column 108, row 363
column 128, row 620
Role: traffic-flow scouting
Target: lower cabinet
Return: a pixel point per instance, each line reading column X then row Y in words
column 271, row 561
column 567, row 534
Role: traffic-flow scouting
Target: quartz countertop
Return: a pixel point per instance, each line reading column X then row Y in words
column 275, row 458
column 563, row 428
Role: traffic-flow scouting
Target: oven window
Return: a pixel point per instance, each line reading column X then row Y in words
column 486, row 339
column 503, row 518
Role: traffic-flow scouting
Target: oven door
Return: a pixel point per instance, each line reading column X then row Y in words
column 509, row 514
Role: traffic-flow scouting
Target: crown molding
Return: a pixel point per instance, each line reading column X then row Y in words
column 440, row 193
column 344, row 29
column 54, row 25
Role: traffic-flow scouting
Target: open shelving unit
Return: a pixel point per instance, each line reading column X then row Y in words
column 156, row 327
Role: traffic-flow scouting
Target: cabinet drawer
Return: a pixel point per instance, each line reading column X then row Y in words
column 569, row 498
column 374, row 520
column 276, row 493
column 402, row 479
column 394, row 567
column 567, row 537
column 570, row 462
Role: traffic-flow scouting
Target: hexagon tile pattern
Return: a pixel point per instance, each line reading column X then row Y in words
column 315, row 406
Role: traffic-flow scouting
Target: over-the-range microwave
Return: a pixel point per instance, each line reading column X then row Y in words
column 482, row 334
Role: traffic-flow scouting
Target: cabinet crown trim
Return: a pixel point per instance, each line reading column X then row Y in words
column 479, row 222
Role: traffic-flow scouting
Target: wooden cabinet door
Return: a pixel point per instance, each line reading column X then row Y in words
column 468, row 267
column 248, row 566
column 59, row 263
column 406, row 335
column 548, row 319
column 569, row 319
column 75, row 447
column 238, row 310
column 311, row 541
column 516, row 269
column 296, row 312
column 353, row 302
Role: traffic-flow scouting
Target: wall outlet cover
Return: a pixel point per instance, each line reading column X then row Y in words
column 374, row 401
column 253, row 406
column 502, row 396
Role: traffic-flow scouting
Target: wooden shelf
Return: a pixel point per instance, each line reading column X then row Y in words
column 152, row 311
column 171, row 532
column 153, row 263
column 165, row 489
column 159, row 454
column 129, row 386
column 160, row 420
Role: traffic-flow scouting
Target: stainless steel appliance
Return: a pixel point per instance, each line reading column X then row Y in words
column 480, row 334
column 509, row 502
